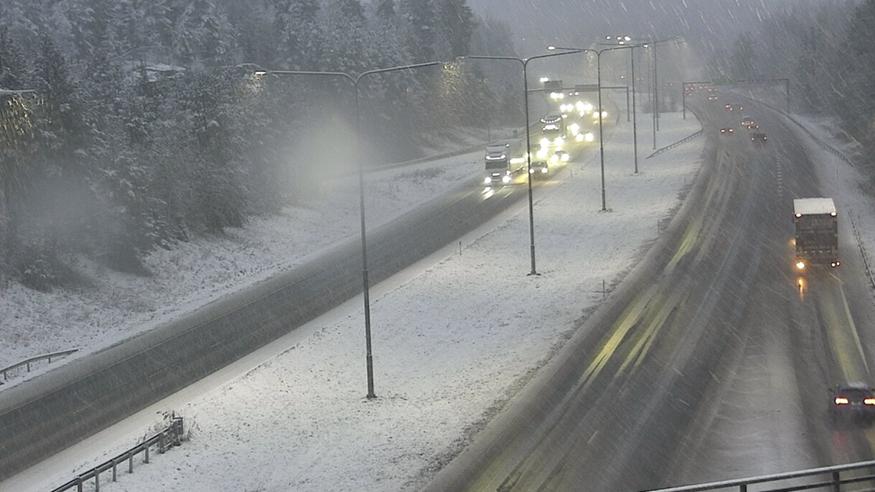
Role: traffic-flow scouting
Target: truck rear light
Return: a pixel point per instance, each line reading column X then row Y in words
column 869, row 401
column 841, row 400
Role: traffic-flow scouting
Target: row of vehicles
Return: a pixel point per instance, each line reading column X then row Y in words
column 505, row 161
column 815, row 238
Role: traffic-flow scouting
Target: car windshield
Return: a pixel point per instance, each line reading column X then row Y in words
column 435, row 244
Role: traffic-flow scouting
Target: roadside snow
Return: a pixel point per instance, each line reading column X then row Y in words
column 454, row 338
column 117, row 306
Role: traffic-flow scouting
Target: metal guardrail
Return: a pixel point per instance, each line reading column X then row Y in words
column 676, row 144
column 826, row 478
column 28, row 362
column 865, row 254
column 170, row 436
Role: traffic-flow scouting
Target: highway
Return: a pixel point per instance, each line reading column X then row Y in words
column 712, row 360
column 47, row 414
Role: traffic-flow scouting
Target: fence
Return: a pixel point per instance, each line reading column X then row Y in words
column 676, row 144
column 170, row 436
column 827, row 478
column 863, row 252
column 29, row 362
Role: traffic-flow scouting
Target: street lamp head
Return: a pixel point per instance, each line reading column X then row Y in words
column 627, row 38
column 645, row 45
column 260, row 73
column 608, row 38
column 551, row 47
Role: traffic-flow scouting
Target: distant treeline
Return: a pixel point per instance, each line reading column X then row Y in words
column 147, row 124
column 828, row 54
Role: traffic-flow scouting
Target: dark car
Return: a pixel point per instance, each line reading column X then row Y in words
column 539, row 169
column 749, row 123
column 758, row 137
column 852, row 401
column 727, row 131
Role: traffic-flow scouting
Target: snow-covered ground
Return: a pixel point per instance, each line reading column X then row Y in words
column 455, row 336
column 117, row 305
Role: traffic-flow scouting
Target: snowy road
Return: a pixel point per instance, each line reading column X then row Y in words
column 710, row 364
column 476, row 359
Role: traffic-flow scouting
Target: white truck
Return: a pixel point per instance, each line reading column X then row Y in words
column 816, row 236
column 503, row 161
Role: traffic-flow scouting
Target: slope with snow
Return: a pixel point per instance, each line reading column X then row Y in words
column 455, row 336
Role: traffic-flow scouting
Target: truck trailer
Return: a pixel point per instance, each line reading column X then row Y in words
column 502, row 162
column 817, row 240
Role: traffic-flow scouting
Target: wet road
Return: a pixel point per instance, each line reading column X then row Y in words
column 710, row 362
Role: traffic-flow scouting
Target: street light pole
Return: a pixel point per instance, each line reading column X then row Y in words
column 598, row 54
column 525, row 64
column 634, row 119
column 356, row 81
column 598, row 69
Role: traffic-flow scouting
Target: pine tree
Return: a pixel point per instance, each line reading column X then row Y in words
column 456, row 24
column 297, row 29
column 421, row 33
column 386, row 10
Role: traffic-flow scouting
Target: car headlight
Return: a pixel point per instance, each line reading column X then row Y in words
column 579, row 137
column 589, row 137
column 543, row 170
column 800, row 265
column 505, row 179
column 487, row 180
column 565, row 157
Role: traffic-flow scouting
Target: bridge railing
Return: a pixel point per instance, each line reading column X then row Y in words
column 829, row 478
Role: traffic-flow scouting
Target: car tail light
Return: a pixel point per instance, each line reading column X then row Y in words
column 841, row 400
column 869, row 401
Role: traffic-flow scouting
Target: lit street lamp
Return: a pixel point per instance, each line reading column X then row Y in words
column 525, row 63
column 355, row 81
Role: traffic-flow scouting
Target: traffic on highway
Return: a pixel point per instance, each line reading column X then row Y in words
column 437, row 245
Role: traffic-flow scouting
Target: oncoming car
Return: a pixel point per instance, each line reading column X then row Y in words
column 539, row 169
column 758, row 137
column 854, row 401
column 560, row 156
column 727, row 131
column 712, row 97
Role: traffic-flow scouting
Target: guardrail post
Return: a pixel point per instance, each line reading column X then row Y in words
column 161, row 443
column 836, row 482
column 28, row 367
column 96, row 481
column 742, row 487
column 147, row 452
column 130, row 462
column 114, row 474
column 79, row 485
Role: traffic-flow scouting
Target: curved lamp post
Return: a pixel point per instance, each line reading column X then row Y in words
column 524, row 62
column 355, row 81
